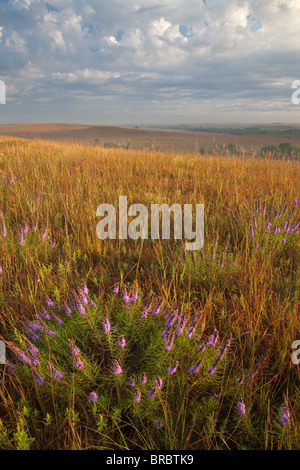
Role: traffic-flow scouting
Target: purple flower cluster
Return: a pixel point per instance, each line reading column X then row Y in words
column 93, row 397
column 241, row 406
column 195, row 369
column 105, row 323
column 285, row 415
column 117, row 369
column 143, row 378
column 137, row 395
column 146, row 310
column 171, row 370
column 158, row 424
column 122, row 342
column 220, row 356
column 54, row 372
column 213, row 339
column 75, row 354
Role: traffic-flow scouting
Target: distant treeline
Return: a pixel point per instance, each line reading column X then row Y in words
column 284, row 131
column 280, row 151
column 286, row 149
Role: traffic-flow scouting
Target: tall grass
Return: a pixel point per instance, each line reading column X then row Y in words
column 78, row 298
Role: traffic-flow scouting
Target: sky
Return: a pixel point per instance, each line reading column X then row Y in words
column 146, row 62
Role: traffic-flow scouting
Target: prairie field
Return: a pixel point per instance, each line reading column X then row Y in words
column 141, row 344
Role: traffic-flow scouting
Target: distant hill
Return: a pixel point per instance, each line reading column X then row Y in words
column 275, row 129
column 184, row 138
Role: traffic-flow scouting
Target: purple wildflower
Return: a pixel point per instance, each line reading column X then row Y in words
column 221, row 264
column 55, row 373
column 33, row 336
column 80, row 308
column 157, row 308
column 213, row 339
column 240, row 380
column 21, row 239
column 171, row 370
column 195, row 369
column 84, row 289
column 202, row 347
column 82, row 296
column 43, row 314
column 241, row 406
column 35, row 326
column 131, row 382
column 66, row 308
column 143, row 378
column 125, row 296
column 158, row 382
column 170, row 342
column 223, row 350
column 276, row 230
column 117, row 368
column 181, row 325
column 191, row 330
column 116, row 289
column 286, row 226
column 58, row 320
column 4, row 231
column 74, row 349
column 43, row 234
column 158, row 424
column 285, row 415
column 122, row 341
column 21, row 356
column 164, row 334
column 172, row 318
column 137, row 395
column 78, row 362
column 135, row 294
column 49, row 301
column 39, row 380
column 268, row 226
column 33, row 350
column 10, row 367
column 50, row 332
column 92, row 304
column 152, row 393
column 146, row 311
column 106, row 324
column 295, row 227
column 93, row 396
column 25, row 229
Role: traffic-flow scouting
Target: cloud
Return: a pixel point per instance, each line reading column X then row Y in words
column 185, row 55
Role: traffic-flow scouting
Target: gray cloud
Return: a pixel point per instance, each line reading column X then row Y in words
column 151, row 62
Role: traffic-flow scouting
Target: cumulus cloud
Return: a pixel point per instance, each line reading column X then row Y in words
column 176, row 60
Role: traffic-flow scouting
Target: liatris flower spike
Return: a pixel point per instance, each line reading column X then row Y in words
column 173, row 368
column 241, row 406
column 285, row 415
column 117, row 368
column 137, row 395
column 93, row 396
